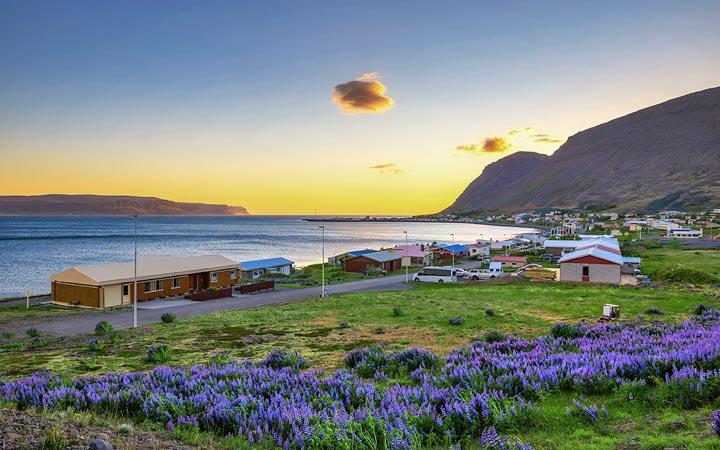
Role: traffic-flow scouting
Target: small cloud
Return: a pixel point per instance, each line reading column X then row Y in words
column 369, row 76
column 362, row 95
column 524, row 130
column 539, row 135
column 489, row 145
column 546, row 140
column 388, row 169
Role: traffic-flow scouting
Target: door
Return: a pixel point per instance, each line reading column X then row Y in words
column 126, row 293
column 586, row 273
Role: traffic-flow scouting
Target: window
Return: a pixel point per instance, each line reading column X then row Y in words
column 213, row 276
column 148, row 286
column 233, row 275
column 176, row 283
column 126, row 289
column 586, row 271
column 158, row 285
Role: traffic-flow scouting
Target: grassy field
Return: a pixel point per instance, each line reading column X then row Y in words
column 324, row 330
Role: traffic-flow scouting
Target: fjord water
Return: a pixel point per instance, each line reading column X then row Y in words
column 34, row 247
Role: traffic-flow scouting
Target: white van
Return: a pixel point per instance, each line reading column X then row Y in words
column 435, row 275
column 496, row 269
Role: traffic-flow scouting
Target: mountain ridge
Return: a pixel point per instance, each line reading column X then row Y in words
column 110, row 205
column 663, row 156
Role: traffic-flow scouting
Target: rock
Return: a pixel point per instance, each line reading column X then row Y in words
column 100, row 444
column 676, row 425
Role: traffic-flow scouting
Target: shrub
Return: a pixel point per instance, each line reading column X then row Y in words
column 565, row 330
column 54, row 440
column 96, row 345
column 8, row 335
column 92, row 363
column 355, row 357
column 33, row 332
column 168, row 317
column 640, row 317
column 716, row 422
column 344, row 324
column 494, row 336
column 221, row 358
column 103, row 327
column 278, row 359
column 407, row 361
column 397, row 312
column 700, row 309
column 39, row 342
column 684, row 275
column 490, row 312
column 590, row 411
column 159, row 353
column 653, row 310
column 14, row 346
column 457, row 320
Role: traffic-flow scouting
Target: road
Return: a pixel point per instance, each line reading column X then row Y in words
column 85, row 323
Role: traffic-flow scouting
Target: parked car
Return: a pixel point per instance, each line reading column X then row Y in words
column 555, row 260
column 434, row 274
column 480, row 274
column 530, row 266
column 547, row 256
column 460, row 272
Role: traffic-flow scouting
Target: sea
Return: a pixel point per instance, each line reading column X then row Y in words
column 34, row 247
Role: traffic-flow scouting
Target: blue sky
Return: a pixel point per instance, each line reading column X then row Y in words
column 97, row 88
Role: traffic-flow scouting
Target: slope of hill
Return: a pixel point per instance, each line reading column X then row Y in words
column 110, row 205
column 666, row 156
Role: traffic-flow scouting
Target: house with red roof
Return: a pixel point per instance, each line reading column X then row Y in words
column 511, row 261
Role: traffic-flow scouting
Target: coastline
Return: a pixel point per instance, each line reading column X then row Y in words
column 411, row 220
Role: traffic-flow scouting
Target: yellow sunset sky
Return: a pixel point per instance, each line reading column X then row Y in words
column 297, row 112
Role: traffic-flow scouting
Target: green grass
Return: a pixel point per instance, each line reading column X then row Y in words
column 313, row 326
column 10, row 315
column 672, row 256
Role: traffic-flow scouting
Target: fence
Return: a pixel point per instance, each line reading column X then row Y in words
column 210, row 295
column 255, row 287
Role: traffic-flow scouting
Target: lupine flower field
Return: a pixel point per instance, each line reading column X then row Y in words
column 483, row 392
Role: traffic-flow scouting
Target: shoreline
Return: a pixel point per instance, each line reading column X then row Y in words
column 410, row 220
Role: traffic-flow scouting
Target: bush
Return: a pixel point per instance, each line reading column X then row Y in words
column 653, row 310
column 221, row 358
column 96, row 345
column 159, row 353
column 494, row 336
column 716, row 422
column 457, row 320
column 168, row 317
column 700, row 309
column 103, row 327
column 490, row 312
column 565, row 330
column 33, row 332
column 39, row 342
column 278, row 359
column 397, row 312
column 8, row 335
column 92, row 363
column 55, row 440
column 14, row 346
column 344, row 324
column 684, row 275
column 408, row 361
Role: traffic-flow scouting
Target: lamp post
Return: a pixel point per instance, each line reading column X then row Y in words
column 135, row 216
column 322, row 294
column 453, row 253
column 407, row 276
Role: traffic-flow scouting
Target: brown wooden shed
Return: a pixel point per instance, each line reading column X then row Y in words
column 382, row 260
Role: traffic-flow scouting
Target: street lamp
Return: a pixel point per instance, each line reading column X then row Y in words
column 135, row 216
column 407, row 276
column 453, row 253
column 322, row 294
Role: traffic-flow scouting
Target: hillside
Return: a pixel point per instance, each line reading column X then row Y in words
column 666, row 156
column 110, row 205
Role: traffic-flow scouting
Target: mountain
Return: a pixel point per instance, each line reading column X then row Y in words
column 666, row 156
column 110, row 205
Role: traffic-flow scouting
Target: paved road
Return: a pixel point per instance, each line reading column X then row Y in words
column 69, row 326
column 85, row 323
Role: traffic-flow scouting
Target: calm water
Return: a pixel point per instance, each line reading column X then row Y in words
column 33, row 248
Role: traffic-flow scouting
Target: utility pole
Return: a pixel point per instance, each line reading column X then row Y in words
column 453, row 253
column 407, row 276
column 135, row 299
column 322, row 227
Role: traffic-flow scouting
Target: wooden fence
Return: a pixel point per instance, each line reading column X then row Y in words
column 256, row 287
column 210, row 295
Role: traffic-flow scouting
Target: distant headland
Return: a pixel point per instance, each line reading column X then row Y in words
column 109, row 205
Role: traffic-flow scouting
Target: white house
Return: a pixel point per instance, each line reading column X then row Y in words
column 591, row 265
column 684, row 233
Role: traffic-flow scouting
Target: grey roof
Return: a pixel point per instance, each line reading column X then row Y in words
column 382, row 256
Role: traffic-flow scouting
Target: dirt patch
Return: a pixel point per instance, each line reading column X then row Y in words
column 29, row 430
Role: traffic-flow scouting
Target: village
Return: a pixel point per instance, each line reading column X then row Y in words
column 569, row 249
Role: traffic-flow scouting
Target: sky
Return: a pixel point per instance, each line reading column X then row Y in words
column 362, row 108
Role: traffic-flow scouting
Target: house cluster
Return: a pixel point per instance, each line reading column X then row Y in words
column 107, row 285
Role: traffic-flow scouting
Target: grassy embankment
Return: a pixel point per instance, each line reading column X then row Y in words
column 324, row 330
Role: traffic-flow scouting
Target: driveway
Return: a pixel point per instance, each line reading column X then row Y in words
column 151, row 312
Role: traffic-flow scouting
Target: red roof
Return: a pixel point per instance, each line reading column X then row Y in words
column 509, row 258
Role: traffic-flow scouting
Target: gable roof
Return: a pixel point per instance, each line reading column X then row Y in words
column 595, row 252
column 456, row 248
column 148, row 267
column 360, row 252
column 265, row 263
column 381, row 256
column 412, row 250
